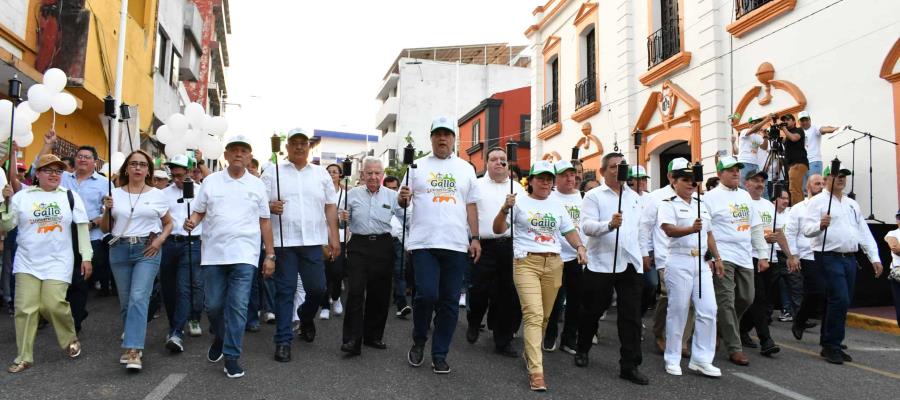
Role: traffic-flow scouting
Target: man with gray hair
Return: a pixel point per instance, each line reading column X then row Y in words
column 370, row 256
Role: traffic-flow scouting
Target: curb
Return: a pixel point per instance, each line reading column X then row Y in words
column 869, row 323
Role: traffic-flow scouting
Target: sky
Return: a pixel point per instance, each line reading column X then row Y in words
column 319, row 64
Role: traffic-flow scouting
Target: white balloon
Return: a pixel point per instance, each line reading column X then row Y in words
column 5, row 110
column 195, row 115
column 193, row 138
column 55, row 80
column 105, row 169
column 163, row 134
column 117, row 159
column 21, row 127
column 207, row 123
column 40, row 97
column 178, row 124
column 211, row 147
column 64, row 103
column 4, row 132
column 216, row 126
column 25, row 139
column 24, row 111
column 175, row 147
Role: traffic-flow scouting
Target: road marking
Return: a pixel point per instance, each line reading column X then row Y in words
column 875, row 349
column 162, row 390
column 771, row 386
column 852, row 364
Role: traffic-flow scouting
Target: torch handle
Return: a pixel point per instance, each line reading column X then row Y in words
column 278, row 193
column 616, row 248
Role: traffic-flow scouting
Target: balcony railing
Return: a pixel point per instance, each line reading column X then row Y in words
column 549, row 114
column 585, row 92
column 663, row 44
column 744, row 7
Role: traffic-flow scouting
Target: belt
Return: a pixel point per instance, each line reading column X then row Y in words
column 503, row 239
column 543, row 254
column 129, row 239
column 182, row 238
column 373, row 237
column 694, row 252
column 838, row 254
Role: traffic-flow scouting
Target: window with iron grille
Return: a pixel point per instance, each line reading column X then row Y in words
column 665, row 42
column 64, row 148
column 586, row 89
column 744, row 7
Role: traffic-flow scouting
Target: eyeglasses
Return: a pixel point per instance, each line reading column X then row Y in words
column 84, row 157
column 52, row 171
column 138, row 164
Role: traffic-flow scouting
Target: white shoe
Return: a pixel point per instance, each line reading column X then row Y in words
column 337, row 307
column 603, row 316
column 269, row 317
column 324, row 314
column 595, row 339
column 673, row 369
column 462, row 300
column 194, row 328
column 705, row 368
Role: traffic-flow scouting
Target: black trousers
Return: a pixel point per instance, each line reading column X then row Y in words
column 369, row 274
column 571, row 292
column 493, row 292
column 77, row 294
column 757, row 316
column 334, row 275
column 813, row 303
column 596, row 296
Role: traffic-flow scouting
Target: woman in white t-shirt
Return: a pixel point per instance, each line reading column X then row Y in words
column 537, row 266
column 137, row 215
column 45, row 215
column 893, row 241
column 334, row 270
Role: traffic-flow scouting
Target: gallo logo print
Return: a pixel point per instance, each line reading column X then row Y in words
column 442, row 187
column 542, row 227
column 47, row 217
column 740, row 216
column 574, row 213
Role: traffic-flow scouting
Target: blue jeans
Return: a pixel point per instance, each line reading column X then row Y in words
column 839, row 274
column 748, row 167
column 183, row 299
column 227, row 290
column 399, row 278
column 134, row 275
column 439, row 278
column 815, row 167
column 307, row 261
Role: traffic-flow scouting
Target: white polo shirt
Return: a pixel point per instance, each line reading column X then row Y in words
column 733, row 217
column 233, row 207
column 441, row 189
column 178, row 210
column 538, row 225
column 492, row 196
column 305, row 193
column 599, row 205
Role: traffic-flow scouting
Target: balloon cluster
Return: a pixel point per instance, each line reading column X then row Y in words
column 41, row 98
column 193, row 130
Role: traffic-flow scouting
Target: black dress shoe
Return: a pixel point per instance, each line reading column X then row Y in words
column 748, row 342
column 282, row 353
column 809, row 325
column 375, row 344
column 832, row 356
column 769, row 348
column 844, row 356
column 307, row 332
column 797, row 330
column 507, row 351
column 634, row 376
column 351, row 348
column 416, row 355
column 581, row 359
column 472, row 333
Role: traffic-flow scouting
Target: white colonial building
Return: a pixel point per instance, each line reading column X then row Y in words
column 676, row 70
column 424, row 83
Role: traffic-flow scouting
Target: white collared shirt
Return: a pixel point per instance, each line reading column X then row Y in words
column 733, row 218
column 441, row 190
column 597, row 209
column 572, row 203
column 178, row 210
column 491, row 197
column 651, row 237
column 798, row 243
column 677, row 212
column 305, row 193
column 233, row 208
column 848, row 229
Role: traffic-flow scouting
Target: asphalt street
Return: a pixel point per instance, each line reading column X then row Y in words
column 320, row 371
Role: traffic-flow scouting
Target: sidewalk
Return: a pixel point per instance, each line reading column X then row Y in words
column 882, row 319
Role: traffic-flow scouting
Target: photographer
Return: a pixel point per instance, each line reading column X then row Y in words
column 794, row 155
column 748, row 145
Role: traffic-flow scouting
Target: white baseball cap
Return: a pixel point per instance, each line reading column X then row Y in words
column 160, row 174
column 443, row 123
column 239, row 139
column 563, row 165
column 802, row 114
column 542, row 167
column 637, row 171
column 297, row 131
column 180, row 160
column 678, row 163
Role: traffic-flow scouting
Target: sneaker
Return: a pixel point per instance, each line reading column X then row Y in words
column 194, row 328
column 325, row 314
column 567, row 347
column 786, row 317
column 440, row 366
column 706, row 369
column 133, row 362
column 232, row 369
column 74, row 349
column 462, row 300
column 214, row 354
column 416, row 355
column 124, row 358
column 673, row 369
column 269, row 318
column 337, row 307
column 549, row 344
column 175, row 344
column 596, row 339
column 403, row 312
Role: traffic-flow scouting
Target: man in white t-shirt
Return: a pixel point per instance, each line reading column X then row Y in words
column 738, row 230
column 444, row 192
column 234, row 208
column 749, row 142
column 492, row 291
column 813, row 143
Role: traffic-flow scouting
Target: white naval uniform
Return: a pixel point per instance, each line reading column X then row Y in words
column 684, row 281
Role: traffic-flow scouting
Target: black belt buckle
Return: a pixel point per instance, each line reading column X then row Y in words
column 376, row 237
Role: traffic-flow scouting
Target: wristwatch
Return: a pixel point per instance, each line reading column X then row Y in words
column 271, row 257
column 476, row 237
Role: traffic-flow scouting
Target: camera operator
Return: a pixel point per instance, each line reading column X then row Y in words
column 794, row 140
column 749, row 143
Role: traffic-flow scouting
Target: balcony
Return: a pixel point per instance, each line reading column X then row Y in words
column 390, row 82
column 387, row 114
column 585, row 92
column 549, row 114
column 744, row 7
column 663, row 44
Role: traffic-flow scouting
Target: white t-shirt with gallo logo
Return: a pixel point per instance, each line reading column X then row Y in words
column 539, row 226
column 733, row 217
column 45, row 232
column 766, row 211
column 441, row 189
column 572, row 204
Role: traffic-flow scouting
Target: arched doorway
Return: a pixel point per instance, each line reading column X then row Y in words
column 667, row 154
column 670, row 123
